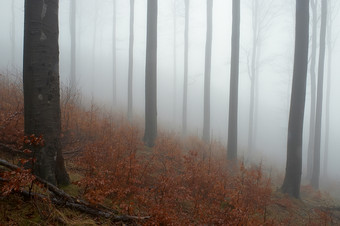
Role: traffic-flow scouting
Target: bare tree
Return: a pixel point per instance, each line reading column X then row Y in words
column 174, row 104
column 130, row 70
column 73, row 44
column 185, row 83
column 13, row 40
column 234, row 74
column 207, row 72
column 41, row 87
column 319, row 100
column 313, row 89
column 150, row 133
column 292, row 180
column 114, row 55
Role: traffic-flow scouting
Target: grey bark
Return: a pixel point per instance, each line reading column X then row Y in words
column 207, row 72
column 319, row 100
column 328, row 88
column 13, row 44
column 150, row 133
column 174, row 107
column 73, row 44
column 185, row 83
column 253, row 76
column 292, row 180
column 313, row 90
column 234, row 74
column 130, row 70
column 41, row 87
column 114, row 56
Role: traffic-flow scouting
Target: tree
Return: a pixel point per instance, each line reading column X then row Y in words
column 130, row 71
column 73, row 44
column 114, row 56
column 41, row 87
column 150, row 133
column 292, row 180
column 234, row 71
column 174, row 104
column 206, row 120
column 185, row 83
column 319, row 100
column 313, row 90
column 13, row 34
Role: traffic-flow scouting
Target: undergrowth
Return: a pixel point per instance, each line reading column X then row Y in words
column 177, row 182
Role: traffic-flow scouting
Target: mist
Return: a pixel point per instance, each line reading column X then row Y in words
column 94, row 68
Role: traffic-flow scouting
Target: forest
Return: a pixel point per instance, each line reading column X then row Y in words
column 173, row 112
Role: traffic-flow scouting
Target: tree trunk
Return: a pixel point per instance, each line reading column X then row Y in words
column 313, row 91
column 185, row 83
column 206, row 120
column 318, row 116
column 41, row 86
column 94, row 37
column 73, row 44
column 174, row 107
column 151, row 75
column 13, row 44
column 328, row 89
column 234, row 71
column 253, row 77
column 114, row 56
column 292, row 180
column 130, row 71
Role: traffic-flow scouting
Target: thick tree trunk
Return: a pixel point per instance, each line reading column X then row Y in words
column 185, row 83
column 73, row 44
column 313, row 91
column 206, row 119
column 318, row 116
column 151, row 75
column 41, row 86
column 292, row 180
column 234, row 71
column 130, row 70
column 114, row 56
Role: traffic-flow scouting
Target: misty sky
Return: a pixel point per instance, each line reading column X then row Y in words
column 276, row 65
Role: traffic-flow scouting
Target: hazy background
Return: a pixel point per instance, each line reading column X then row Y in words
column 277, row 48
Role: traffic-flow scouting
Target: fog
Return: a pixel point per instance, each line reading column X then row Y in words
column 94, row 69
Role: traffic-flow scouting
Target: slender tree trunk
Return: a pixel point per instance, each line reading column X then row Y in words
column 185, row 83
column 313, row 90
column 328, row 89
column 234, row 71
column 114, row 56
column 94, row 37
column 207, row 72
column 318, row 116
column 174, row 107
column 151, row 75
column 253, row 77
column 292, row 180
column 13, row 44
column 130, row 71
column 41, row 87
column 73, row 44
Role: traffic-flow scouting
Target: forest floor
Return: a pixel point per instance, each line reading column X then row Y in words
column 177, row 182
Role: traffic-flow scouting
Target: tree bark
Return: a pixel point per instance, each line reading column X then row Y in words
column 318, row 116
column 130, row 70
column 114, row 56
column 292, row 180
column 73, row 45
column 313, row 90
column 13, row 40
column 234, row 73
column 185, row 83
column 174, row 107
column 150, row 133
column 207, row 72
column 41, row 86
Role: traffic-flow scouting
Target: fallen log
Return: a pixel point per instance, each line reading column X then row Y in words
column 59, row 197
